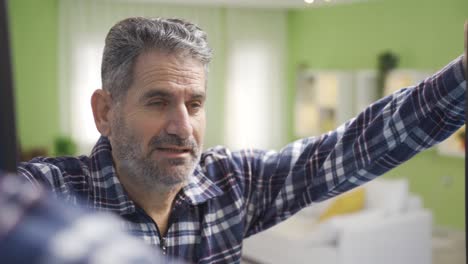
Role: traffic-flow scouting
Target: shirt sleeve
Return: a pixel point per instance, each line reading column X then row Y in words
column 383, row 136
column 41, row 174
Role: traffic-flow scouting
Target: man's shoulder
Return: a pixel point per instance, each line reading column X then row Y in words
column 69, row 164
column 216, row 152
column 220, row 161
column 219, row 156
column 55, row 171
column 224, row 154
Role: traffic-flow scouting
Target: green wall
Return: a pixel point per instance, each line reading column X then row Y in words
column 426, row 34
column 34, row 44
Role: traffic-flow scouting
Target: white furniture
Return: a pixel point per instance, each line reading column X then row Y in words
column 393, row 228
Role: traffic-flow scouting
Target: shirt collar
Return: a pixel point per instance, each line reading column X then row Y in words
column 200, row 188
column 110, row 195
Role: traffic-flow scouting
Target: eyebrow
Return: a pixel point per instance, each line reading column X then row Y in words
column 167, row 95
column 198, row 96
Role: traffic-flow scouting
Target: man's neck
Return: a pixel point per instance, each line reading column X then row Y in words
column 156, row 202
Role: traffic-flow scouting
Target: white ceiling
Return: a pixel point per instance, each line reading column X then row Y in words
column 255, row 3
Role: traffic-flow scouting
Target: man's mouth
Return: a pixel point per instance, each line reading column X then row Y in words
column 175, row 150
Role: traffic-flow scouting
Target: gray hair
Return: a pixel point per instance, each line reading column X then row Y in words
column 131, row 37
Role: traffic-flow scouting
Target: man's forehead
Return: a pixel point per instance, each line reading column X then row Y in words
column 168, row 62
column 169, row 73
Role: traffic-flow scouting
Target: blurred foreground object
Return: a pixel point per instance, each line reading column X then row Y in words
column 35, row 228
column 8, row 149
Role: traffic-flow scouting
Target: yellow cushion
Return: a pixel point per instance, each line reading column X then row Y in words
column 349, row 202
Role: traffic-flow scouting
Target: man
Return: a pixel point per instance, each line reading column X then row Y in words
column 148, row 166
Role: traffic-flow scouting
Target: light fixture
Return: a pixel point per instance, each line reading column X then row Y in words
column 309, row 1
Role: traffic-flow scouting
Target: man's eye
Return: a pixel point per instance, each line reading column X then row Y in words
column 195, row 106
column 157, row 103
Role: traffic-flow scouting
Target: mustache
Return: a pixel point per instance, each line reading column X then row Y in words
column 173, row 140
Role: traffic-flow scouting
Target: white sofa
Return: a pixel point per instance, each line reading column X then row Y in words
column 392, row 228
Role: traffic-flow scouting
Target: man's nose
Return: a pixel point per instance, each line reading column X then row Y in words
column 179, row 123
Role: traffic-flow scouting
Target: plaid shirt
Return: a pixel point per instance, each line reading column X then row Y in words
column 233, row 195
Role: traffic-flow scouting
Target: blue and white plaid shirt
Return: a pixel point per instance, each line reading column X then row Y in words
column 233, row 195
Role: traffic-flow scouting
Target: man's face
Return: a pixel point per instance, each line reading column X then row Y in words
column 158, row 127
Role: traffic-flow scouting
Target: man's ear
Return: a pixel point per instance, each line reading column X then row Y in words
column 101, row 102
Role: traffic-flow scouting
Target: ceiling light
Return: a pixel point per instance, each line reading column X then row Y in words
column 309, row 1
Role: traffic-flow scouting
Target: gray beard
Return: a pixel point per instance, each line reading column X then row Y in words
column 146, row 172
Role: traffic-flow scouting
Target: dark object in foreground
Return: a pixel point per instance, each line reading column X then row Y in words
column 8, row 150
